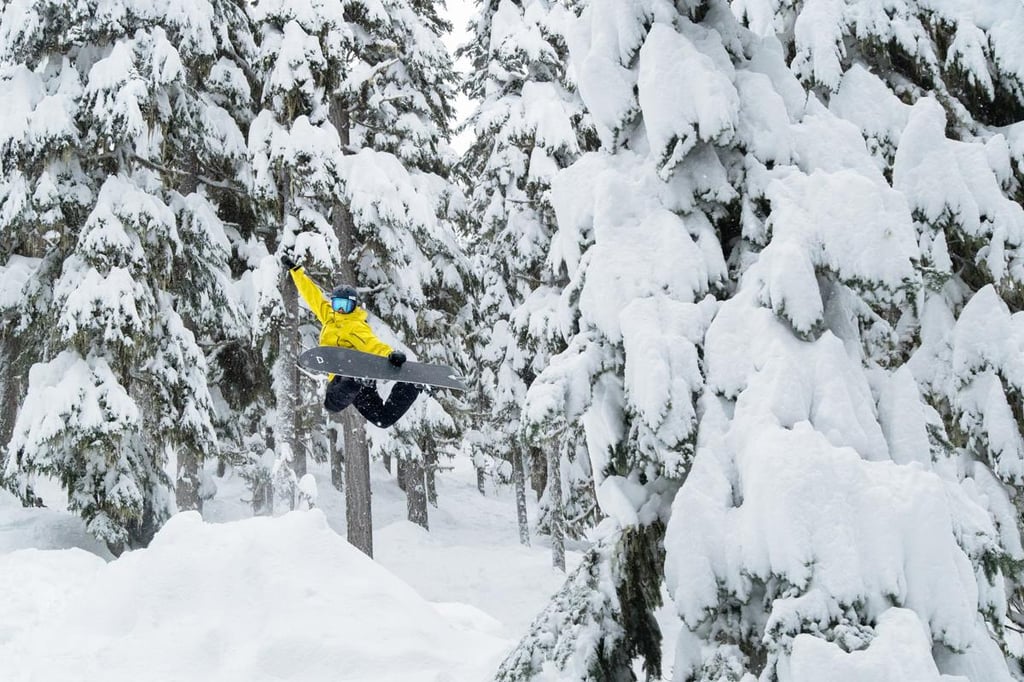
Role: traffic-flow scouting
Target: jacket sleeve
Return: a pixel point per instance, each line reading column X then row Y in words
column 311, row 294
column 365, row 340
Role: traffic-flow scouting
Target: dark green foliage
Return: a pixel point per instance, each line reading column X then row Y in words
column 613, row 630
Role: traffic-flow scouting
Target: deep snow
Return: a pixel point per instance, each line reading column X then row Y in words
column 285, row 598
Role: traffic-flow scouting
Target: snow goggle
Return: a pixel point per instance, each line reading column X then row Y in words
column 343, row 304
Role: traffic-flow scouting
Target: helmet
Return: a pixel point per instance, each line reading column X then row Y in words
column 344, row 299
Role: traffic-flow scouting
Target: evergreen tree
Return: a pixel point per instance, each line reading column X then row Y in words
column 528, row 125
column 107, row 189
column 349, row 156
column 921, row 93
column 833, row 395
column 408, row 255
column 637, row 237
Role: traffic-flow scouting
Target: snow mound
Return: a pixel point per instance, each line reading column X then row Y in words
column 261, row 599
column 42, row 528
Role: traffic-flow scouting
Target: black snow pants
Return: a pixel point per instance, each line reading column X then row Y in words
column 345, row 391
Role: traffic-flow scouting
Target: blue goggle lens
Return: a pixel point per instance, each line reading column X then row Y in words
column 345, row 305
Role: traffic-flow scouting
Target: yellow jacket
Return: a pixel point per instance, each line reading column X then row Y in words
column 339, row 329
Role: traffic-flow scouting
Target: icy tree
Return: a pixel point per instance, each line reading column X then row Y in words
column 349, row 160
column 845, row 413
column 529, row 124
column 120, row 116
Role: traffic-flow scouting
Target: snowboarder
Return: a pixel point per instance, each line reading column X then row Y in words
column 344, row 324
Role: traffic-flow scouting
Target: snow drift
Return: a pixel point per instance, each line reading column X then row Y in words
column 261, row 599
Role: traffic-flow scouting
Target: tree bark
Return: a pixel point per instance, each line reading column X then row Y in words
column 299, row 463
column 557, row 515
column 416, row 492
column 402, row 474
column 431, row 475
column 337, row 461
column 519, row 482
column 538, row 472
column 186, row 489
column 358, row 511
column 186, row 485
column 263, row 488
column 11, row 387
column 287, row 385
column 290, row 375
column 358, row 507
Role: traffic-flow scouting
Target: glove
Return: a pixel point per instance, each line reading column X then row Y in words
column 287, row 261
column 396, row 358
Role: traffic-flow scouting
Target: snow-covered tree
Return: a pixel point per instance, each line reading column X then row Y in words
column 349, row 158
column 841, row 413
column 528, row 125
column 403, row 209
column 122, row 120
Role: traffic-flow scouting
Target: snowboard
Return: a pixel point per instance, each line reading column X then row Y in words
column 353, row 363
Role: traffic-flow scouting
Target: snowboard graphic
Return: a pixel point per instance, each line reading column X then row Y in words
column 353, row 363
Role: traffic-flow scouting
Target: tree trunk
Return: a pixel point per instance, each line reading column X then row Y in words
column 186, row 489
column 263, row 488
column 431, row 473
column 519, row 481
column 337, row 461
column 358, row 510
column 402, row 474
column 186, row 485
column 416, row 492
column 11, row 387
column 557, row 515
column 287, row 385
column 289, row 357
column 299, row 463
column 387, row 463
column 538, row 472
column 481, row 480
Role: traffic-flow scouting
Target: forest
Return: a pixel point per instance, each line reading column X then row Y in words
column 737, row 287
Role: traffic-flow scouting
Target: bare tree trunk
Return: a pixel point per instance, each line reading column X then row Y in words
column 557, row 515
column 402, row 474
column 519, row 481
column 337, row 461
column 287, row 384
column 538, row 472
column 416, row 492
column 431, row 472
column 186, row 489
column 387, row 463
column 289, row 387
column 358, row 509
column 11, row 387
column 186, row 485
column 263, row 489
column 481, row 480
column 299, row 463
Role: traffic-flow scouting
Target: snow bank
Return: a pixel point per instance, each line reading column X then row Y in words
column 260, row 599
column 43, row 528
column 899, row 653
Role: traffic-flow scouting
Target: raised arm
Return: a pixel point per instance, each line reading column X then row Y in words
column 311, row 294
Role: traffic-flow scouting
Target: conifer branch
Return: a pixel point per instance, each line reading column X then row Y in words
column 160, row 168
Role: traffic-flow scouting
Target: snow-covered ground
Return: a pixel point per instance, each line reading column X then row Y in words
column 285, row 598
